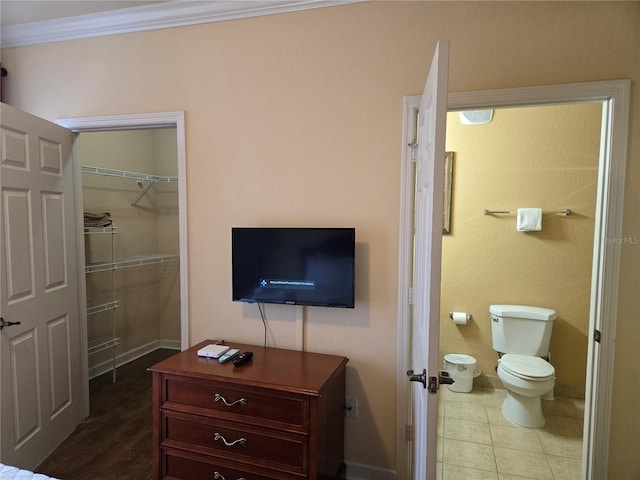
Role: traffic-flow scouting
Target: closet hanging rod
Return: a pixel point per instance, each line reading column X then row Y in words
column 566, row 212
column 124, row 174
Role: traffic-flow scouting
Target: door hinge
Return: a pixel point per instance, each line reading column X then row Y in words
column 408, row 433
column 596, row 335
column 413, row 146
column 410, row 296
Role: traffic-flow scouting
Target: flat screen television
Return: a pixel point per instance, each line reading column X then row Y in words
column 294, row 266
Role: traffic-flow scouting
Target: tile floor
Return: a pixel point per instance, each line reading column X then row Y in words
column 475, row 442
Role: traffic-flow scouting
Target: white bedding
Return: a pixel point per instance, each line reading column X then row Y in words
column 13, row 473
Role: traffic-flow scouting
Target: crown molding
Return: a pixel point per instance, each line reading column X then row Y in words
column 176, row 13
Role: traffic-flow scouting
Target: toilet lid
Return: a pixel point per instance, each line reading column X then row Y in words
column 526, row 366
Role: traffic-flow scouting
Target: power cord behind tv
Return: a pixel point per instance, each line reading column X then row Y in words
column 261, row 309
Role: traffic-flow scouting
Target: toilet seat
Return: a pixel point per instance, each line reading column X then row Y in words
column 526, row 367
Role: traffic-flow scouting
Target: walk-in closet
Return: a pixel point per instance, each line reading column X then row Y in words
column 131, row 237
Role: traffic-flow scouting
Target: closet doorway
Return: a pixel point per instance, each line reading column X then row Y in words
column 133, row 168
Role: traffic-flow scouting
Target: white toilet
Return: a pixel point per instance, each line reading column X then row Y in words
column 521, row 335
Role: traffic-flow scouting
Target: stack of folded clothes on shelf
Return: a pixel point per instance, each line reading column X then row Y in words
column 97, row 219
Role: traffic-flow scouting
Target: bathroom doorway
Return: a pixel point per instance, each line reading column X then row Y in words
column 613, row 97
column 544, row 156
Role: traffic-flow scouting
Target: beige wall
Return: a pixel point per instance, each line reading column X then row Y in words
column 525, row 157
column 295, row 119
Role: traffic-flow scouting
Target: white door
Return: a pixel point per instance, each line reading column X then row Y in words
column 427, row 261
column 40, row 358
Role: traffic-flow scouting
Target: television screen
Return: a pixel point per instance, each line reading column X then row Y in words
column 294, row 266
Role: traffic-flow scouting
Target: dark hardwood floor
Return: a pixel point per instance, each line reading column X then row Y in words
column 114, row 442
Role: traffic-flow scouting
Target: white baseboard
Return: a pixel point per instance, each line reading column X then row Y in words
column 132, row 355
column 359, row 471
column 169, row 344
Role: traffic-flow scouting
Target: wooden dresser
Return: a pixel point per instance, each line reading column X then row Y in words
column 280, row 416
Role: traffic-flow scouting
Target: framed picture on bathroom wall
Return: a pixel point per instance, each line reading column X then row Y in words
column 448, row 187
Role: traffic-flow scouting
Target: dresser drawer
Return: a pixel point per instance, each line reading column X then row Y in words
column 233, row 441
column 237, row 403
column 177, row 464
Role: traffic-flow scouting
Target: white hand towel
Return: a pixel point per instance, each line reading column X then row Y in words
column 529, row 219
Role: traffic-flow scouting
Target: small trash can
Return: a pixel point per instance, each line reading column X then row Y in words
column 463, row 369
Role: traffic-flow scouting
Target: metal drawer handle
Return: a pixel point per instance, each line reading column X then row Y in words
column 240, row 441
column 218, row 476
column 220, row 398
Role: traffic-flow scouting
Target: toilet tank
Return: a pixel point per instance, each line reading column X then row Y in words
column 521, row 329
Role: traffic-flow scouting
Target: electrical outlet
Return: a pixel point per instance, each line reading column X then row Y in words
column 351, row 407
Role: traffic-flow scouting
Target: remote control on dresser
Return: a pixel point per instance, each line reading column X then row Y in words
column 242, row 359
column 233, row 353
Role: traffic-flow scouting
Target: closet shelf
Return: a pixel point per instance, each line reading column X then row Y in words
column 131, row 262
column 144, row 179
column 98, row 344
column 102, row 307
column 98, row 230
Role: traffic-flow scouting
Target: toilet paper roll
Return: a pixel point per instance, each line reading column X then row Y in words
column 459, row 318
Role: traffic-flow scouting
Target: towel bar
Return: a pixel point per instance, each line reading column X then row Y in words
column 566, row 212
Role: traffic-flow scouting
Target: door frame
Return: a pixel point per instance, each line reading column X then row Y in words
column 126, row 122
column 615, row 98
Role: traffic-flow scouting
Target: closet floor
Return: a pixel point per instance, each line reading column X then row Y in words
column 114, row 442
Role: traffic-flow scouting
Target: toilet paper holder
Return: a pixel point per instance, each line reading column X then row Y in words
column 469, row 316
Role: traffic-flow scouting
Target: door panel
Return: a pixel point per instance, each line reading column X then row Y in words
column 54, row 241
column 50, row 157
column 18, row 246
column 15, row 149
column 59, row 347
column 427, row 260
column 26, row 387
column 40, row 359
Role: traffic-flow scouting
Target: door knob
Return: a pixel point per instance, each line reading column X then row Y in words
column 7, row 324
column 422, row 378
column 443, row 377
